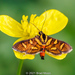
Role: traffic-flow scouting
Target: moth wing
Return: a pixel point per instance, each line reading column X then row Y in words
column 57, row 47
column 29, row 46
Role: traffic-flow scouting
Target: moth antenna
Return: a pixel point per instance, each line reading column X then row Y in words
column 44, row 20
column 32, row 24
column 35, row 26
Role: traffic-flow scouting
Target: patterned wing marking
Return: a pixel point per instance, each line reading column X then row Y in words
column 34, row 50
column 57, row 47
column 30, row 46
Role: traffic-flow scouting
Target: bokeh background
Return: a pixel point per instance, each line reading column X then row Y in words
column 16, row 8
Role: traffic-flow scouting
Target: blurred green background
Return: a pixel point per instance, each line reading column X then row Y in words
column 16, row 8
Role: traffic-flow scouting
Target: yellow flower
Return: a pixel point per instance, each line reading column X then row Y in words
column 53, row 20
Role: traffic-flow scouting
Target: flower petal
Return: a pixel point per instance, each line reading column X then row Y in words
column 20, row 55
column 50, row 22
column 10, row 26
column 59, row 57
column 24, row 23
column 55, row 21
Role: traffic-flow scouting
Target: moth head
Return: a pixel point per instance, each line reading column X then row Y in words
column 41, row 33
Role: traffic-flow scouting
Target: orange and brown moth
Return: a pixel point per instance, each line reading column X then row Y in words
column 40, row 43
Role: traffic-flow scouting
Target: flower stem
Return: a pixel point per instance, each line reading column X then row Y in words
column 20, row 67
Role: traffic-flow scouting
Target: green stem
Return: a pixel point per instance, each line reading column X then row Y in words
column 20, row 67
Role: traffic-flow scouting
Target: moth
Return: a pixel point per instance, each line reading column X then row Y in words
column 42, row 43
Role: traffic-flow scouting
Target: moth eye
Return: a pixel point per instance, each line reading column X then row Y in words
column 40, row 33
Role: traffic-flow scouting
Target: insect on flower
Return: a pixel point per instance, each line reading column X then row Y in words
column 34, row 37
column 42, row 43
